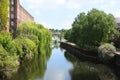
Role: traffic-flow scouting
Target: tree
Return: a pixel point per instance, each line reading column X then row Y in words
column 67, row 34
column 77, row 28
column 93, row 28
column 3, row 13
column 100, row 28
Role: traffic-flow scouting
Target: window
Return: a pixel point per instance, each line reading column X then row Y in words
column 12, row 8
column 12, row 23
column 12, row 16
column 12, row 2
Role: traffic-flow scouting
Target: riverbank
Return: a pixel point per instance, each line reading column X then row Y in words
column 31, row 40
column 84, row 54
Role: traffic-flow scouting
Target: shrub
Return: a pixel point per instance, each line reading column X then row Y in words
column 6, row 60
column 35, row 32
column 6, row 42
column 25, row 47
column 106, row 52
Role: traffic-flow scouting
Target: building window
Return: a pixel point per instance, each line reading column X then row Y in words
column 12, row 16
column 12, row 23
column 12, row 2
column 12, row 8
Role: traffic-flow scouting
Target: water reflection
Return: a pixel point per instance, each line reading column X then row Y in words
column 33, row 69
column 89, row 71
column 58, row 67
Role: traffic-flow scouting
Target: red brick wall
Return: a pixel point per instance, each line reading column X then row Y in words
column 23, row 15
column 19, row 15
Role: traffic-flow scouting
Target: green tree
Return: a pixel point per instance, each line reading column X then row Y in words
column 67, row 34
column 93, row 28
column 99, row 28
column 77, row 28
column 3, row 13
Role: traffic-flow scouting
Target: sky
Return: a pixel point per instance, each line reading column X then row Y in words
column 60, row 14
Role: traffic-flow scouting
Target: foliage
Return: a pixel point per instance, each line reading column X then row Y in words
column 106, row 51
column 77, row 27
column 93, row 28
column 3, row 13
column 67, row 34
column 116, row 40
column 36, row 32
column 6, row 42
column 6, row 60
column 24, row 46
column 8, row 57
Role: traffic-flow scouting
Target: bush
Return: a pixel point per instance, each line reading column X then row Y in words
column 106, row 52
column 35, row 32
column 7, row 61
column 24, row 46
column 6, row 42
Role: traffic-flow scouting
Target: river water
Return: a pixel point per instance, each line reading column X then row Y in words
column 58, row 64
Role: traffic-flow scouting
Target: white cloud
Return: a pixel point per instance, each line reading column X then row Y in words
column 112, row 3
column 47, row 25
column 117, row 14
column 57, row 2
column 97, row 1
column 53, row 4
column 44, row 10
column 72, row 4
column 56, row 75
column 63, row 25
column 32, row 4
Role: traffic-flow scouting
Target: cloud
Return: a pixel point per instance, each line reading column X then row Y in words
column 62, row 25
column 54, row 13
column 56, row 75
column 57, row 2
column 32, row 4
column 72, row 4
column 117, row 14
column 97, row 1
column 47, row 25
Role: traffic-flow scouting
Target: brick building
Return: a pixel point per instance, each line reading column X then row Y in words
column 17, row 14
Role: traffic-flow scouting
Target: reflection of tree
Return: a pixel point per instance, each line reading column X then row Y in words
column 55, row 45
column 34, row 68
column 89, row 71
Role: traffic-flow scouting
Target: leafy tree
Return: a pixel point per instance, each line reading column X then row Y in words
column 77, row 27
column 3, row 13
column 67, row 34
column 100, row 28
column 93, row 28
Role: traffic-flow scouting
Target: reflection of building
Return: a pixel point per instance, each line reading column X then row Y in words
column 17, row 14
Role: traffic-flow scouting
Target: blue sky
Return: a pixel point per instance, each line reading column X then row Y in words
column 60, row 14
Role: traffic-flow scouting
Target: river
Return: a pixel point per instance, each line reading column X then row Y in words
column 58, row 64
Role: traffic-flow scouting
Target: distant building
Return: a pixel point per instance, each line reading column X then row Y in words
column 118, row 22
column 17, row 14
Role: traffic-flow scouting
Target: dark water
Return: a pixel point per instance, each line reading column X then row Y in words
column 59, row 65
